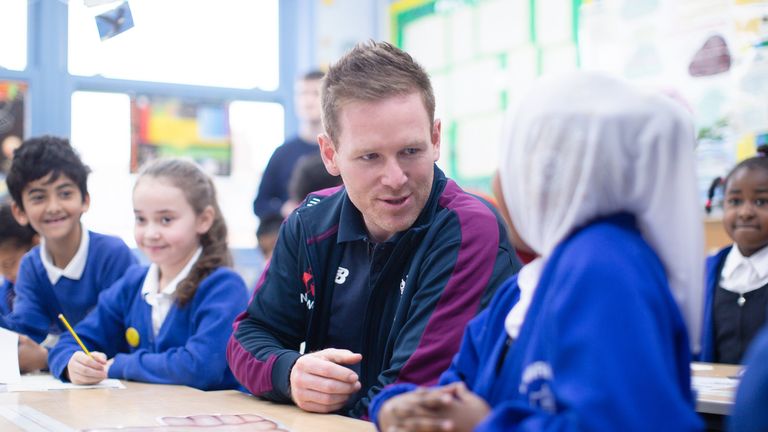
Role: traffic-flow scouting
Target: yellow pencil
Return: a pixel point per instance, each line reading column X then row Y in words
column 77, row 338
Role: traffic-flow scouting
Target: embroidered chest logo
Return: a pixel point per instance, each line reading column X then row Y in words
column 535, row 383
column 341, row 275
column 402, row 284
column 308, row 296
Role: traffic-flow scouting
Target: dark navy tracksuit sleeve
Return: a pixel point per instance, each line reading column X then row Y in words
column 266, row 337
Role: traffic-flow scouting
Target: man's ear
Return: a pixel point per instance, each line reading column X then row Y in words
column 328, row 153
column 19, row 214
column 436, row 136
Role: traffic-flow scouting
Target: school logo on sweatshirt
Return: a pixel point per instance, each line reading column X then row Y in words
column 535, row 383
column 308, row 297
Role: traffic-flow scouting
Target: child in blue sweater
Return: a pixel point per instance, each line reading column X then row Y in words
column 737, row 276
column 67, row 271
column 15, row 241
column 167, row 323
column 598, row 179
column 749, row 413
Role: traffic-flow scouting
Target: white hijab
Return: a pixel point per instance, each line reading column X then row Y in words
column 586, row 145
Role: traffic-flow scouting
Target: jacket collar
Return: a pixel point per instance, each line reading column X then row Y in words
column 352, row 225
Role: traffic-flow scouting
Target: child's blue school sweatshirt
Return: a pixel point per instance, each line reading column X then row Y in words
column 38, row 302
column 603, row 346
column 189, row 348
column 7, row 295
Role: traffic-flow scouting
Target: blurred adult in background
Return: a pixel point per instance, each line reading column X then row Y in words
column 273, row 189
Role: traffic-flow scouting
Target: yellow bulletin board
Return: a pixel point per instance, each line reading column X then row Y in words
column 480, row 55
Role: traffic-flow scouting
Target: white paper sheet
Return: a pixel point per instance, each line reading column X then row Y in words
column 701, row 367
column 48, row 382
column 714, row 386
column 9, row 359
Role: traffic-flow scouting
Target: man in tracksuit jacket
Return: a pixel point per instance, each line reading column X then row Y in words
column 379, row 277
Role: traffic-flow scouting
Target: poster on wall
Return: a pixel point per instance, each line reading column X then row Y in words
column 12, row 96
column 172, row 127
column 702, row 53
column 500, row 47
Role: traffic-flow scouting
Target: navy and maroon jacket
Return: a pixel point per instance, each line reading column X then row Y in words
column 442, row 272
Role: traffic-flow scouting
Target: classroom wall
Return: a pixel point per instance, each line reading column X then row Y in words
column 340, row 24
column 321, row 31
column 314, row 33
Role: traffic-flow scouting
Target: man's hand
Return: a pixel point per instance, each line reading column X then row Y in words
column 320, row 384
column 86, row 370
column 32, row 356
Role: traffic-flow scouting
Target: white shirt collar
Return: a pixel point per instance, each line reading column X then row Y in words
column 74, row 269
column 742, row 274
column 160, row 302
column 152, row 281
column 527, row 281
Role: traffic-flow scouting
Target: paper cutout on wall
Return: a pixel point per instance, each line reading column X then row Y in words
column 115, row 21
column 712, row 58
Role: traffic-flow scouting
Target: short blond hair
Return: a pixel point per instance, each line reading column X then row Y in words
column 372, row 71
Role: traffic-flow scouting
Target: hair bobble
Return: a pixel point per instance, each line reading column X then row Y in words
column 716, row 182
column 762, row 150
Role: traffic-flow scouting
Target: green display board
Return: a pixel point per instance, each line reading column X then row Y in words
column 481, row 55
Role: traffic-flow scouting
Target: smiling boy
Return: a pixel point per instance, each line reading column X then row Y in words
column 71, row 266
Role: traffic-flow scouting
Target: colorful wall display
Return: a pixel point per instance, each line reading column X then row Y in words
column 480, row 55
column 709, row 55
column 12, row 99
column 169, row 127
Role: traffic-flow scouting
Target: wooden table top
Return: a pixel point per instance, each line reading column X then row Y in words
column 142, row 405
column 716, row 400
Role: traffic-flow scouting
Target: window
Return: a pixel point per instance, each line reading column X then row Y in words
column 256, row 129
column 13, row 33
column 223, row 43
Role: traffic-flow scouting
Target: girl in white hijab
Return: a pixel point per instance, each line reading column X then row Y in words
column 598, row 180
